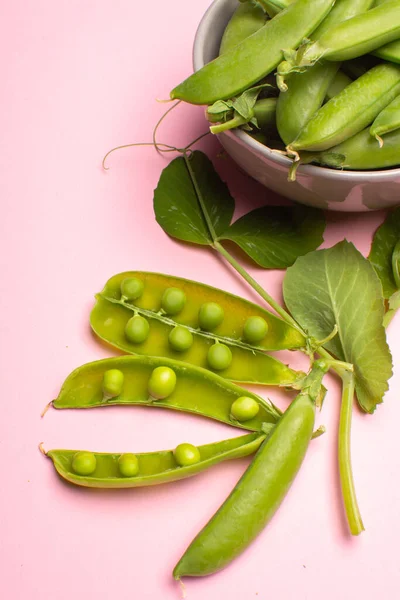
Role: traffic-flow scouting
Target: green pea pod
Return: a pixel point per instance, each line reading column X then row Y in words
column 354, row 37
column 361, row 152
column 259, row 492
column 339, row 82
column 196, row 390
column 307, row 91
column 388, row 120
column 246, row 20
column 351, row 110
column 152, row 468
column 304, row 96
column 248, row 363
column 255, row 57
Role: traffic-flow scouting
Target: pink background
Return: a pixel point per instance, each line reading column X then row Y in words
column 79, row 78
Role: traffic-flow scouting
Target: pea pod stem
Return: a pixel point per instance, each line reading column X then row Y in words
column 346, row 475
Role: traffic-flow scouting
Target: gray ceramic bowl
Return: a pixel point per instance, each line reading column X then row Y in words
column 316, row 186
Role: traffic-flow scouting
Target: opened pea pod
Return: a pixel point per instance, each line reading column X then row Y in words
column 105, row 470
column 201, row 325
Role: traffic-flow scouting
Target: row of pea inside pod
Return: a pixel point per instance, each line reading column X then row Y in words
column 167, row 384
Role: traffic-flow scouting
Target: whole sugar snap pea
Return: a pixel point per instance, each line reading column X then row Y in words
column 362, row 153
column 255, row 57
column 196, row 390
column 101, row 470
column 339, row 82
column 249, row 363
column 388, row 120
column 248, row 18
column 260, row 491
column 351, row 110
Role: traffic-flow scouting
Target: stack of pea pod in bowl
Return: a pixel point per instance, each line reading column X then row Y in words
column 314, row 83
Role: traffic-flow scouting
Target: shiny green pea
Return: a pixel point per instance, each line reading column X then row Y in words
column 255, row 329
column 113, row 381
column 131, row 288
column 211, row 315
column 244, row 408
column 162, row 383
column 84, row 463
column 186, row 454
column 219, row 357
column 128, row 465
column 180, row 338
column 173, row 301
column 137, row 329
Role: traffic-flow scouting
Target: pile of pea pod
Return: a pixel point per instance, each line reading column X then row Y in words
column 335, row 100
column 186, row 343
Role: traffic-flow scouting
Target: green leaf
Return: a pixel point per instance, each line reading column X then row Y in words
column 274, row 236
column 220, row 106
column 339, row 287
column 383, row 245
column 178, row 208
column 244, row 103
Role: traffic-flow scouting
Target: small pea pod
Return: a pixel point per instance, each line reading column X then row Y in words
column 117, row 471
column 353, row 37
column 255, row 57
column 361, row 153
column 260, row 491
column 210, row 328
column 388, row 120
column 351, row 110
column 246, row 20
column 148, row 381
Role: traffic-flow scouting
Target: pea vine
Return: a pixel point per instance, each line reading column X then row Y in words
column 337, row 299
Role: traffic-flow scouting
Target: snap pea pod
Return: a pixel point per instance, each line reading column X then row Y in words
column 339, row 82
column 351, row 110
column 391, row 51
column 228, row 345
column 307, row 91
column 246, row 20
column 118, row 471
column 388, row 120
column 196, row 390
column 356, row 36
column 260, row 491
column 255, row 57
column 361, row 152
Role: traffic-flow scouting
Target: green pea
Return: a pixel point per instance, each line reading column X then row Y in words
column 137, row 329
column 131, row 288
column 113, row 380
column 162, row 383
column 186, row 454
column 180, row 338
column 128, row 465
column 84, row 463
column 173, row 301
column 219, row 357
column 255, row 329
column 211, row 315
column 244, row 408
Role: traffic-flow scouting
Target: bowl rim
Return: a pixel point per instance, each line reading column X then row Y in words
column 335, row 174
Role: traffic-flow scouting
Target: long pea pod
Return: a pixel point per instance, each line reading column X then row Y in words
column 339, row 82
column 255, row 57
column 351, row 110
column 361, row 153
column 248, row 18
column 388, row 120
column 248, row 362
column 196, row 391
column 151, row 468
column 261, row 489
column 354, row 37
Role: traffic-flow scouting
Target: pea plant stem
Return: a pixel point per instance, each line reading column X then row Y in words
column 199, row 197
column 346, row 475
